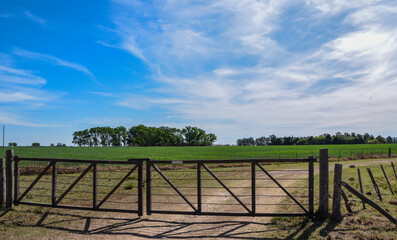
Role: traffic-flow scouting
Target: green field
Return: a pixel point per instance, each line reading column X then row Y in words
column 215, row 152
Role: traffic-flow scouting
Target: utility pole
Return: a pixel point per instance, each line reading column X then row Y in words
column 4, row 128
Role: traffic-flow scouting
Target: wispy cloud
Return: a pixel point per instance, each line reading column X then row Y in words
column 56, row 61
column 12, row 119
column 105, row 94
column 4, row 15
column 35, row 18
column 9, row 75
column 224, row 62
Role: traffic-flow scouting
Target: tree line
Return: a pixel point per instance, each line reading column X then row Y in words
column 142, row 135
column 338, row 138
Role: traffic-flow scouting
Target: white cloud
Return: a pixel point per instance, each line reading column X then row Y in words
column 13, row 119
column 4, row 15
column 9, row 75
column 15, row 97
column 55, row 60
column 21, row 90
column 223, row 65
column 35, row 18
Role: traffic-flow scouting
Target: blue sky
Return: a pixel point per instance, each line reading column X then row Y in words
column 232, row 67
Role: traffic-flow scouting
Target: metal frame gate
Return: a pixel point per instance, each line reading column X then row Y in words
column 96, row 204
column 198, row 168
column 201, row 166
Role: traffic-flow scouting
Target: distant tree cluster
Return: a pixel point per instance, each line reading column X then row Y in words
column 338, row 138
column 143, row 136
column 12, row 144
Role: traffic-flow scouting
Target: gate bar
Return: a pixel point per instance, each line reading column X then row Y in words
column 311, row 187
column 227, row 189
column 74, row 183
column 173, row 186
column 54, row 184
column 78, row 208
column 253, row 188
column 117, row 186
column 231, row 214
column 94, row 186
column 35, row 181
column 278, row 184
column 246, row 160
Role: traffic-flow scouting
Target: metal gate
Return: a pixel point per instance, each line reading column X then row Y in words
column 79, row 184
column 229, row 187
column 237, row 187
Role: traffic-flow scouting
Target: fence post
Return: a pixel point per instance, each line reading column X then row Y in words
column 394, row 170
column 148, row 187
column 389, row 152
column 324, row 179
column 16, row 180
column 374, row 183
column 336, row 199
column 2, row 183
column 9, row 177
column 311, row 186
column 387, row 179
column 361, row 184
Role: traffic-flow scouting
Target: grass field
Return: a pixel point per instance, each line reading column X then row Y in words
column 215, row 152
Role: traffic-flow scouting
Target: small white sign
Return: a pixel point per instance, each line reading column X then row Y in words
column 177, row 162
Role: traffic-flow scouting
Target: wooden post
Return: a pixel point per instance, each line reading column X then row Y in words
column 361, row 184
column 374, row 183
column 311, row 186
column 2, row 183
column 387, row 180
column 347, row 202
column 369, row 202
column 199, row 203
column 9, row 177
column 395, row 174
column 336, row 199
column 140, row 188
column 148, row 187
column 16, row 180
column 324, row 181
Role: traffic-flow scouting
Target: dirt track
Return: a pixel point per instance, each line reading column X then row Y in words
column 122, row 226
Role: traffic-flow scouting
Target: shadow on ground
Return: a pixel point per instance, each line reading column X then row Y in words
column 81, row 225
column 154, row 228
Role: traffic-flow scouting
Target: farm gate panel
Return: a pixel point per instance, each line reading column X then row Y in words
column 79, row 184
column 246, row 187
